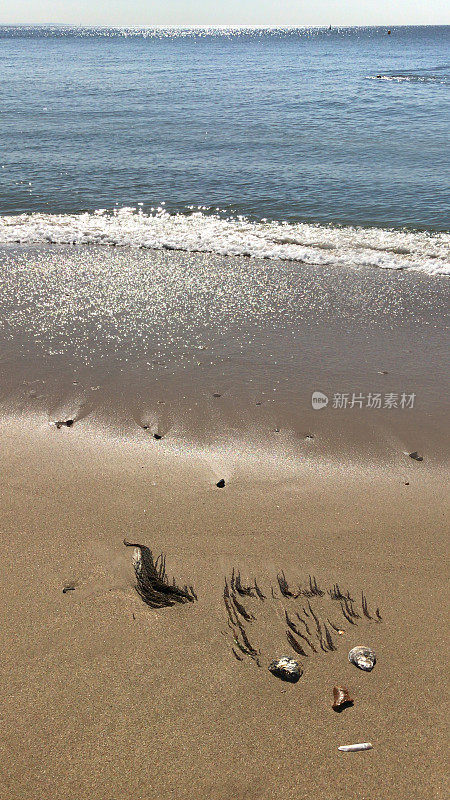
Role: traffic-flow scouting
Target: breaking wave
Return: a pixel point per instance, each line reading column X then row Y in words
column 214, row 233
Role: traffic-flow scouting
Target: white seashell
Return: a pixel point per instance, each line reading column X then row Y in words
column 362, row 657
column 351, row 748
column 286, row 668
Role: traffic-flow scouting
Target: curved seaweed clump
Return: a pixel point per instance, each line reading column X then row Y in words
column 152, row 581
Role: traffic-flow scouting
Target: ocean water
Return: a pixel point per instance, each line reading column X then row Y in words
column 315, row 145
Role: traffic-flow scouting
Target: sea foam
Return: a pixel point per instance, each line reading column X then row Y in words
column 236, row 236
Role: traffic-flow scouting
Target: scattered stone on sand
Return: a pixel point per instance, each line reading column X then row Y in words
column 406, row 483
column 67, row 422
column 217, row 394
column 286, row 668
column 157, row 436
column 415, row 455
column 69, row 587
column 309, row 436
column 220, row 484
column 276, row 430
column 382, row 371
column 362, row 657
column 341, row 698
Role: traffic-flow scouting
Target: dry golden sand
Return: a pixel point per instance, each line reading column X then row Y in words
column 104, row 698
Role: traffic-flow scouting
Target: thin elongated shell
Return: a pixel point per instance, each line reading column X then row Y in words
column 351, row 748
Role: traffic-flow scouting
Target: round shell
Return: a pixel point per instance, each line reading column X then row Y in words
column 362, row 657
column 286, row 668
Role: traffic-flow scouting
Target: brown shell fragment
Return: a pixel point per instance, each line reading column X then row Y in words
column 341, row 698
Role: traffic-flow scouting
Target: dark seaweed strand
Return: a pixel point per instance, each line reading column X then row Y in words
column 259, row 592
column 309, row 592
column 333, row 626
column 284, row 586
column 304, row 623
column 273, row 593
column 236, row 655
column 252, row 652
column 313, row 590
column 364, row 606
column 350, row 610
column 354, row 613
column 294, row 628
column 329, row 638
column 305, row 612
column 319, row 592
column 232, row 580
column 319, row 630
column 244, row 647
column 378, row 615
column 240, row 608
column 227, row 600
column 349, row 619
column 294, row 644
column 316, row 620
column 336, row 594
column 152, row 582
column 241, row 589
column 238, row 644
column 305, row 639
column 289, row 622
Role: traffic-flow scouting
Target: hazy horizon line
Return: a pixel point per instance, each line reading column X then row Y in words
column 225, row 26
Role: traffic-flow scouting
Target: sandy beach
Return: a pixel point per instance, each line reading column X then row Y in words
column 107, row 698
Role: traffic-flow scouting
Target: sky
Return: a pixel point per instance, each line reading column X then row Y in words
column 226, row 12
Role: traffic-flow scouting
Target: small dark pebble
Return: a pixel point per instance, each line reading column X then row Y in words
column 258, row 403
column 416, row 456
column 69, row 588
column 220, row 484
column 157, row 436
column 217, row 394
column 67, row 422
column 277, row 430
column 406, row 483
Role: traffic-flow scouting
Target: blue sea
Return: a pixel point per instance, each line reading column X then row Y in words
column 308, row 144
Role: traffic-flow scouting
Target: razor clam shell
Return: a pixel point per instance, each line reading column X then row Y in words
column 351, row 748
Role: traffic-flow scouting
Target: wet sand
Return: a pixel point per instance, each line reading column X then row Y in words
column 104, row 697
